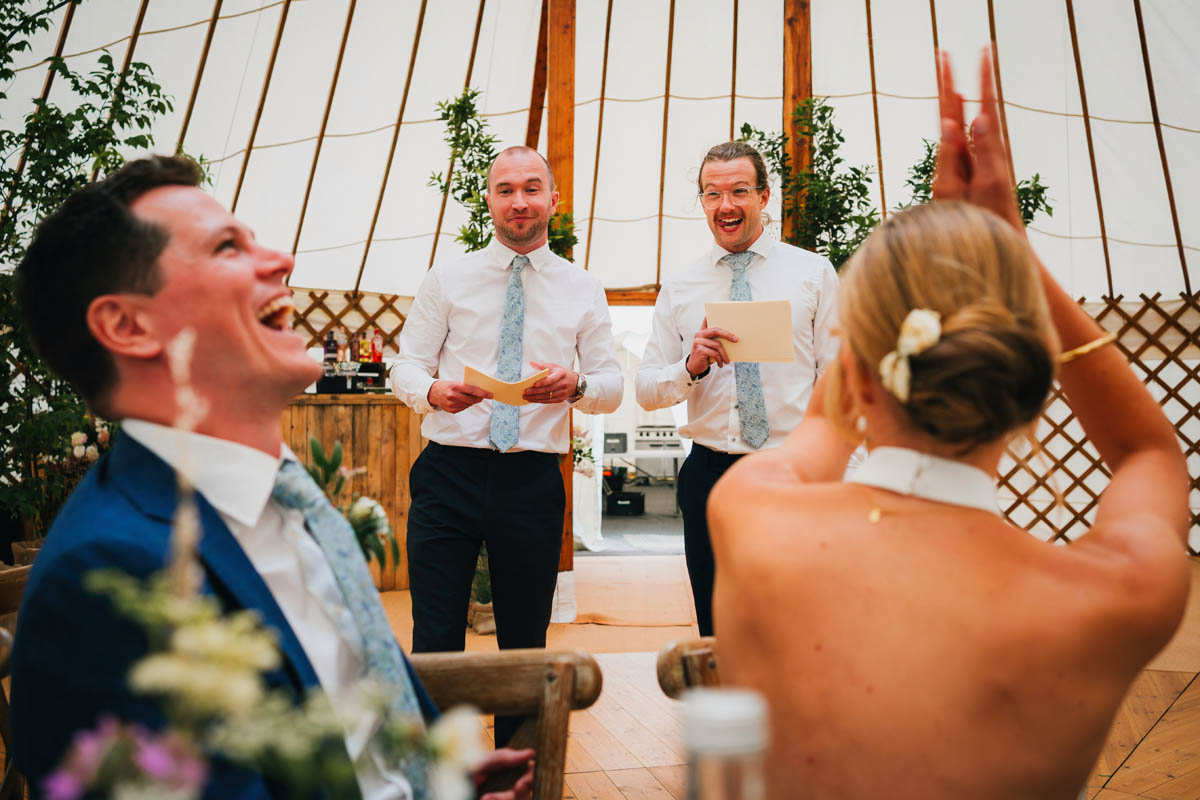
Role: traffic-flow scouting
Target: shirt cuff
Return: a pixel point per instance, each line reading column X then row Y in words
column 416, row 398
column 683, row 379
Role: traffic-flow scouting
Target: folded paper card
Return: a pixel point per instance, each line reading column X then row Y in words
column 503, row 391
column 763, row 328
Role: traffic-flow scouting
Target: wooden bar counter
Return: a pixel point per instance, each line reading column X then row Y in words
column 378, row 433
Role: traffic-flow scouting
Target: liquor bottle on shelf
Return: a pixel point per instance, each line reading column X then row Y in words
column 331, row 353
column 377, row 346
column 725, row 733
column 364, row 347
column 341, row 345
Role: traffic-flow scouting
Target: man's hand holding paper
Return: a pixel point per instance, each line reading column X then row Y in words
column 763, row 328
column 707, row 349
column 453, row 396
column 556, row 387
column 511, row 393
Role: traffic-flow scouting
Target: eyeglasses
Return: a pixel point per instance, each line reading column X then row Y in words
column 737, row 196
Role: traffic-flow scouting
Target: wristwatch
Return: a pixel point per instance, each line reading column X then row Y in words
column 580, row 388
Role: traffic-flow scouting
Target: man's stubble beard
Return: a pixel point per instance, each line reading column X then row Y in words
column 508, row 235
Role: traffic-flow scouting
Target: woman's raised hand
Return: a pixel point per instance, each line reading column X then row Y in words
column 974, row 169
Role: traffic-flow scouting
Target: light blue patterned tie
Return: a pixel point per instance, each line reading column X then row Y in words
column 295, row 488
column 752, row 408
column 503, row 431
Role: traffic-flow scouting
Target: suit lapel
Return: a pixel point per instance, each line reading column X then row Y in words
column 149, row 482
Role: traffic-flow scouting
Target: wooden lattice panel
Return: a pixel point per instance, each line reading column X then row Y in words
column 1161, row 340
column 1160, row 337
column 321, row 310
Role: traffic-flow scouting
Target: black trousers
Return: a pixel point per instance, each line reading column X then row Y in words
column 463, row 497
column 697, row 477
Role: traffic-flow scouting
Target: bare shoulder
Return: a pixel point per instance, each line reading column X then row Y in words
column 763, row 494
column 1142, row 570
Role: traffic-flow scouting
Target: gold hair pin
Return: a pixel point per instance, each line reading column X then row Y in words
column 1084, row 349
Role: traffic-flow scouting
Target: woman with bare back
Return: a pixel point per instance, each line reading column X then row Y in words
column 912, row 643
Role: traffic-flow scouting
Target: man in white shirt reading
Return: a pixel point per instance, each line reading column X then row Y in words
column 733, row 409
column 490, row 474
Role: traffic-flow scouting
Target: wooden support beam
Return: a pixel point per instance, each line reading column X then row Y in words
column 632, row 297
column 797, row 86
column 733, row 72
column 387, row 169
column 262, row 101
column 560, row 152
column 1162, row 149
column 587, row 253
column 333, row 82
column 437, row 231
column 537, row 95
column 46, row 84
column 191, row 104
column 1012, row 173
column 883, row 211
column 133, row 40
column 1087, row 128
column 662, row 169
column 560, row 79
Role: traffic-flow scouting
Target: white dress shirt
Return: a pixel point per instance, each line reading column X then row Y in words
column 778, row 271
column 455, row 321
column 237, row 481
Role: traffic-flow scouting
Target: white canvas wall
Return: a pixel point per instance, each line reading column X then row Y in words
column 1037, row 69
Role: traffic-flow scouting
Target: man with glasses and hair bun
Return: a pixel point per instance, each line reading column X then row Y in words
column 733, row 409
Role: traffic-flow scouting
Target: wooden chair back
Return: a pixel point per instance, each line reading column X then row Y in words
column 687, row 664
column 546, row 685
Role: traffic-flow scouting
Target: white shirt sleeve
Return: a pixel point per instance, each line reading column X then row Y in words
column 662, row 377
column 598, row 359
column 420, row 345
column 825, row 340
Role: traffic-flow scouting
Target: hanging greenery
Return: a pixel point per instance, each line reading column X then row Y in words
column 473, row 150
column 61, row 148
column 830, row 203
column 1031, row 192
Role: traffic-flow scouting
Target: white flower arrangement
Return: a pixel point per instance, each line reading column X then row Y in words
column 584, row 462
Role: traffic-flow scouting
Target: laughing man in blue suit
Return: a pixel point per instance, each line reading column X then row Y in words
column 114, row 275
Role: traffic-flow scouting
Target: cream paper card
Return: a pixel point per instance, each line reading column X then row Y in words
column 503, row 391
column 763, row 328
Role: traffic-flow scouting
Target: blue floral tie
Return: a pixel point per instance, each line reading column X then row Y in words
column 295, row 488
column 752, row 407
column 503, row 431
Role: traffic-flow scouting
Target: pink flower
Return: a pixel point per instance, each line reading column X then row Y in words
column 62, row 785
column 102, row 435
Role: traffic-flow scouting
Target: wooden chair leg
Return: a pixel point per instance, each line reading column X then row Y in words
column 552, row 731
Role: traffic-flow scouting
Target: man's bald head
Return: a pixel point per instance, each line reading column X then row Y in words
column 520, row 152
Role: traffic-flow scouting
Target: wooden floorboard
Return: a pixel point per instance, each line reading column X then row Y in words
column 1165, row 765
column 1148, row 699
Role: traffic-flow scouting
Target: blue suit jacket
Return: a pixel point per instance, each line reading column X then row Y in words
column 73, row 651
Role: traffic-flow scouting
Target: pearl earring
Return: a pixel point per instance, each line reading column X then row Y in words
column 860, row 425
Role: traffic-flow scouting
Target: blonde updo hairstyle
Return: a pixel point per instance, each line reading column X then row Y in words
column 990, row 372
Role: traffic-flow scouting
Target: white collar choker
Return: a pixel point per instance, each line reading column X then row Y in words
column 930, row 477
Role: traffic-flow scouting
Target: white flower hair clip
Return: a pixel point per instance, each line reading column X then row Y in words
column 921, row 330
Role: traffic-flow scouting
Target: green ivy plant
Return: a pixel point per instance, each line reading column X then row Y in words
column 61, row 148
column 1031, row 192
column 829, row 202
column 473, row 149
